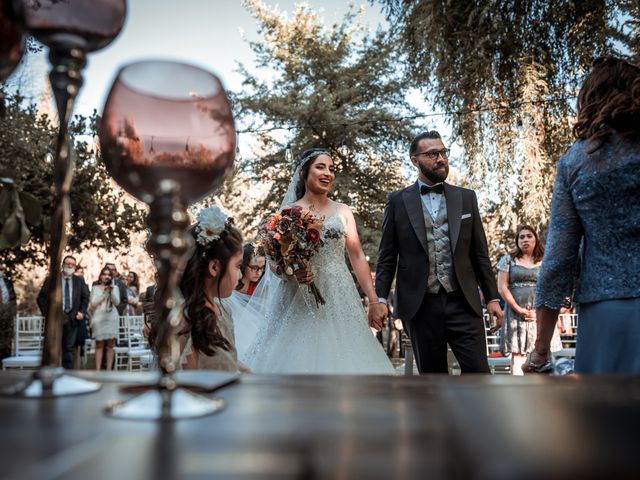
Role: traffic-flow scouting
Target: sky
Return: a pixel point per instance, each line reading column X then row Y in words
column 207, row 33
column 212, row 34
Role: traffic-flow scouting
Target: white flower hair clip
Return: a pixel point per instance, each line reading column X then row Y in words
column 211, row 223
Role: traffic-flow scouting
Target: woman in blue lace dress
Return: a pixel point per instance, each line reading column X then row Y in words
column 517, row 276
column 595, row 204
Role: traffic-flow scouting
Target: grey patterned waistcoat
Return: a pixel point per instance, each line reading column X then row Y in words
column 440, row 259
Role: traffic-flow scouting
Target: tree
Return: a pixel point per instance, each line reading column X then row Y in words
column 337, row 88
column 507, row 72
column 100, row 217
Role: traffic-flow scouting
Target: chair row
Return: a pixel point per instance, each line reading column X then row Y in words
column 132, row 351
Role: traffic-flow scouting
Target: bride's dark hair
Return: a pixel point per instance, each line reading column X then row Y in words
column 306, row 160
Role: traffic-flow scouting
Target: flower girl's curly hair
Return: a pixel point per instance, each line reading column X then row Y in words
column 202, row 322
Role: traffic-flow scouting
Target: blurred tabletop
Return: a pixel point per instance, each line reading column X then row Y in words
column 346, row 427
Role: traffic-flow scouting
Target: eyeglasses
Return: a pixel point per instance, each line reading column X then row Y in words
column 256, row 269
column 433, row 154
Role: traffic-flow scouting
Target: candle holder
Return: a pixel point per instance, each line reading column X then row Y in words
column 167, row 137
column 70, row 29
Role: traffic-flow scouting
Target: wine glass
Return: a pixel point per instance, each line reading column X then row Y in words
column 167, row 121
column 167, row 137
column 87, row 25
column 71, row 29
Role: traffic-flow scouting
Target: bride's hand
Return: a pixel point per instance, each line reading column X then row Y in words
column 304, row 275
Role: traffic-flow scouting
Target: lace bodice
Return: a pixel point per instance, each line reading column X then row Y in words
column 594, row 211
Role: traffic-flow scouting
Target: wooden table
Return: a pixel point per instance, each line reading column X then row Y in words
column 340, row 427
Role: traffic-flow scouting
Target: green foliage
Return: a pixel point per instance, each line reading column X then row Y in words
column 340, row 89
column 100, row 218
column 508, row 71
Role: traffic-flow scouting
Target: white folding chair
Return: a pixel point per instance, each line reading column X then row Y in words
column 498, row 363
column 570, row 322
column 139, row 355
column 121, row 348
column 27, row 349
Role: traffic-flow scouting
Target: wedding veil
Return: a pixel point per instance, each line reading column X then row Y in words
column 256, row 317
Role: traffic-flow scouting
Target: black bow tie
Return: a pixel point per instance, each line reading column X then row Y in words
column 425, row 189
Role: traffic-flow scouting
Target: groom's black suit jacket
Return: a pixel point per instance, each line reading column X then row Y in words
column 404, row 245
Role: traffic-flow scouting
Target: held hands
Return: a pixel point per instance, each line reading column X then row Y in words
column 495, row 316
column 528, row 315
column 377, row 315
column 79, row 316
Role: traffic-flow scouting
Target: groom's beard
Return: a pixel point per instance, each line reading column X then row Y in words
column 435, row 176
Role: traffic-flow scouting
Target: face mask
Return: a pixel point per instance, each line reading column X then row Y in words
column 68, row 271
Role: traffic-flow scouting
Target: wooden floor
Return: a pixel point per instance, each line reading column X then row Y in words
column 343, row 427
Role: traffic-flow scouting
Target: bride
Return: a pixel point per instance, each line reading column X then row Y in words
column 296, row 335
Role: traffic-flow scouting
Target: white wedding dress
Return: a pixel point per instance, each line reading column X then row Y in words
column 295, row 336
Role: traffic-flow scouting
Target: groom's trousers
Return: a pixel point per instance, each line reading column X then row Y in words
column 447, row 318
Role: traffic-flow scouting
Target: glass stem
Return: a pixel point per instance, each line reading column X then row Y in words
column 66, row 81
column 170, row 245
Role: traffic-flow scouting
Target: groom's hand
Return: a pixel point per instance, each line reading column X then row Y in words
column 377, row 315
column 495, row 316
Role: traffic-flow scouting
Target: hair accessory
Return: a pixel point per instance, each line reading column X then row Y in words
column 212, row 221
column 316, row 152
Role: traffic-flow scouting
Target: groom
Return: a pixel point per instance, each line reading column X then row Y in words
column 433, row 235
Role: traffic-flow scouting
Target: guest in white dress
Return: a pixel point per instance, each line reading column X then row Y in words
column 104, row 317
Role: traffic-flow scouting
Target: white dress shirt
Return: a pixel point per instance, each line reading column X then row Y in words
column 431, row 201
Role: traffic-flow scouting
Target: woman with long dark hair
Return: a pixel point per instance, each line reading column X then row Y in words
column 132, row 284
column 517, row 276
column 595, row 204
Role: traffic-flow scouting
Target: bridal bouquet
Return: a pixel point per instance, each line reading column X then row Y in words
column 290, row 238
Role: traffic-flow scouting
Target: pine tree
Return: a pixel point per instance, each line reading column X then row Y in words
column 338, row 88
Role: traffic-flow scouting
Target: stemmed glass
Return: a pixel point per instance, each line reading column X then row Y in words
column 11, row 40
column 167, row 137
column 71, row 29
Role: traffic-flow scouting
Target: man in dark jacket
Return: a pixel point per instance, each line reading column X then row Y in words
column 75, row 300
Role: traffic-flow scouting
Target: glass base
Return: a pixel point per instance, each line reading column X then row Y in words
column 162, row 404
column 49, row 382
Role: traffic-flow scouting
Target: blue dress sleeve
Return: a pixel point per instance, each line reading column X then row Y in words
column 558, row 270
column 504, row 263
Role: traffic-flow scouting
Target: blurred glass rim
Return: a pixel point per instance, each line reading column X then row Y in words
column 169, row 80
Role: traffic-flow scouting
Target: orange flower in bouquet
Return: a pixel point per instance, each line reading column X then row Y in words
column 290, row 238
